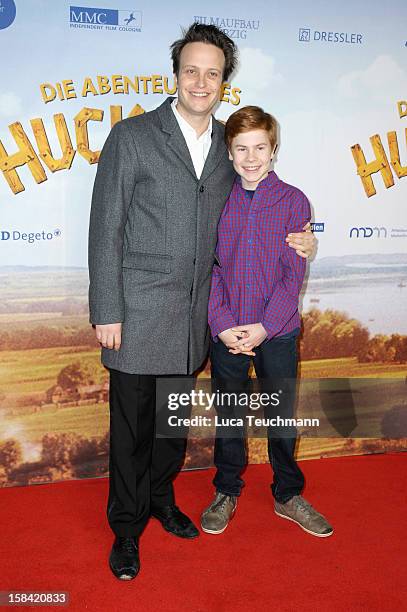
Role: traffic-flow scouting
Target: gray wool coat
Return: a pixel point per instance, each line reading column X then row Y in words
column 152, row 238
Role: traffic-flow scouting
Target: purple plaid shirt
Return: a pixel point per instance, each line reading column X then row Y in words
column 257, row 277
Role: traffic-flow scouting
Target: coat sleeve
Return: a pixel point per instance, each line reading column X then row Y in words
column 283, row 304
column 220, row 316
column 111, row 198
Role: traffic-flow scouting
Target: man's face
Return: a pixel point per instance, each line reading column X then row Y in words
column 251, row 154
column 200, row 78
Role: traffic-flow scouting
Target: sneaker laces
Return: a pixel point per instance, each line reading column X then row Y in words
column 220, row 504
column 304, row 506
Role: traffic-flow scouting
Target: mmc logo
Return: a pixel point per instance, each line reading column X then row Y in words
column 110, row 19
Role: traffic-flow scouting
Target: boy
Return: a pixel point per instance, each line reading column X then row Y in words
column 253, row 313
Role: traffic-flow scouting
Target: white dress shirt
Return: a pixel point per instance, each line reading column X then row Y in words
column 198, row 147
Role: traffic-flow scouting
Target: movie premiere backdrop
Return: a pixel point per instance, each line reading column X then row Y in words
column 334, row 75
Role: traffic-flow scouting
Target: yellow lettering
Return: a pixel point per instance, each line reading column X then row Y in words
column 68, row 152
column 117, row 84
column 225, row 92
column 69, row 89
column 167, row 89
column 25, row 155
column 103, row 84
column 128, row 82
column 145, row 80
column 395, row 154
column 380, row 164
column 116, row 113
column 136, row 110
column 60, row 93
column 48, row 96
column 235, row 100
column 81, row 131
column 157, row 83
column 88, row 87
column 402, row 106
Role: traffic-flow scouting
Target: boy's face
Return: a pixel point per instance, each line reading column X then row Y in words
column 251, row 154
column 200, row 78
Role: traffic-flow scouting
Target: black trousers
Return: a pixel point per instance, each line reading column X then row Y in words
column 275, row 363
column 142, row 467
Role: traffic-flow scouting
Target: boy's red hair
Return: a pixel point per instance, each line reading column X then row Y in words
column 250, row 118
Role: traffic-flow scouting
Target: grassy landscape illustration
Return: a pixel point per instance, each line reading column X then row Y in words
column 53, row 390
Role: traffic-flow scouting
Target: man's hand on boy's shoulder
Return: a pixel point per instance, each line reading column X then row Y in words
column 303, row 242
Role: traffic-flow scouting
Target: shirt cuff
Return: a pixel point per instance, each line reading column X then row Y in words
column 272, row 330
column 220, row 324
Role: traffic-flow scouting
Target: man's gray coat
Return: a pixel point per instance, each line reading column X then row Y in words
column 152, row 238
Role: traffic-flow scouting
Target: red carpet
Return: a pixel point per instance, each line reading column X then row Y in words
column 55, row 537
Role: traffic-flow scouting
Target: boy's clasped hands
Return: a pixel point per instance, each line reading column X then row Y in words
column 243, row 338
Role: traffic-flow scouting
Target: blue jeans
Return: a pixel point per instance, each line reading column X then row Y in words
column 275, row 360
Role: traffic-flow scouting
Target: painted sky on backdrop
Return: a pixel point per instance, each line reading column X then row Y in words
column 327, row 96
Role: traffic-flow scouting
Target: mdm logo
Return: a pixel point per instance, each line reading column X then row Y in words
column 7, row 13
column 104, row 18
column 377, row 232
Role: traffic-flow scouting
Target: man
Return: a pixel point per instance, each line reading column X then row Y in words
column 162, row 181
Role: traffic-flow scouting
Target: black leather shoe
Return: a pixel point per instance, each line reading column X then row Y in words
column 124, row 558
column 175, row 521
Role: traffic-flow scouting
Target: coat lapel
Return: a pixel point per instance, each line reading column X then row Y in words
column 176, row 141
column 177, row 144
column 216, row 152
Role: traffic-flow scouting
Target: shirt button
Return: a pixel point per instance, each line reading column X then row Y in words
column 250, row 241
column 202, row 189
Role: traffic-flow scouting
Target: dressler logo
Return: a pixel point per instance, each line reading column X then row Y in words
column 308, row 35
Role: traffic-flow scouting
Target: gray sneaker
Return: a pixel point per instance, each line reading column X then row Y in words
column 216, row 517
column 300, row 511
